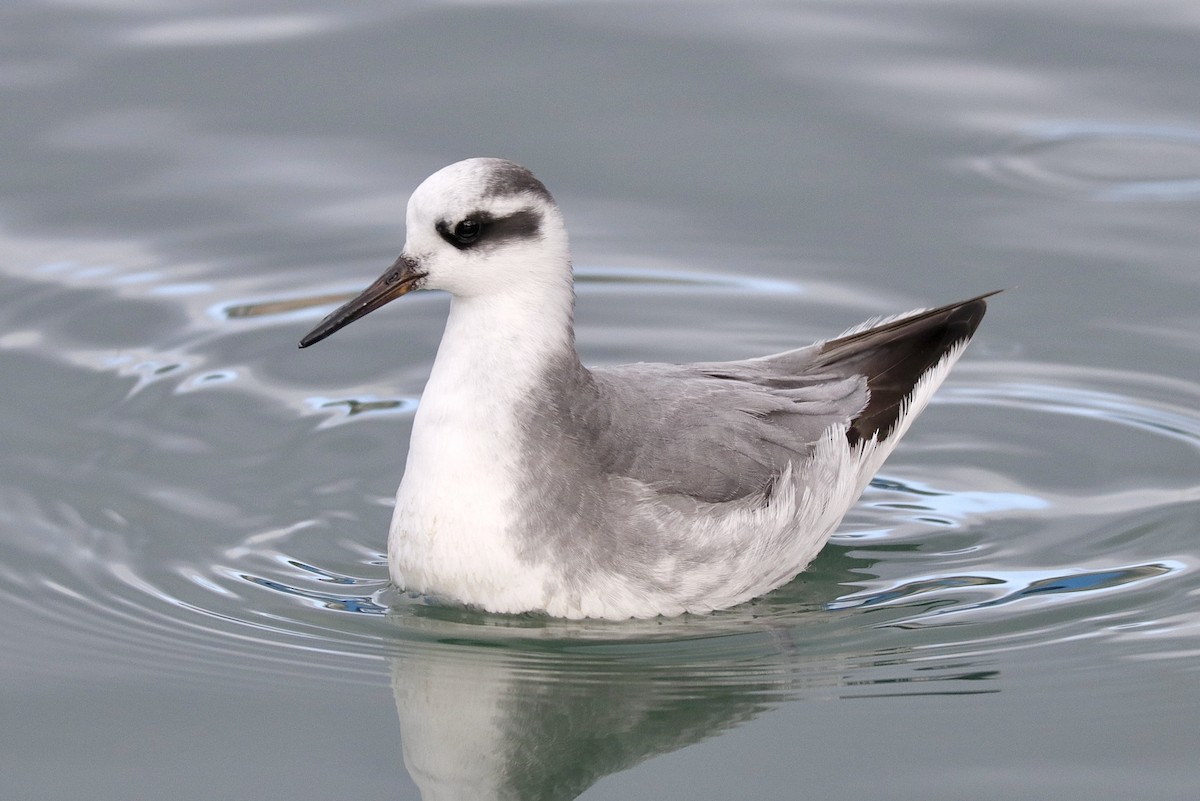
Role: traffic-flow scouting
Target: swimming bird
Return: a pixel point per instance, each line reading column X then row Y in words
column 535, row 484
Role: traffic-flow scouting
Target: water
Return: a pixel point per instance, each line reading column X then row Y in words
column 193, row 512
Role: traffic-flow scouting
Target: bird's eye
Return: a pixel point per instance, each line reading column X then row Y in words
column 468, row 231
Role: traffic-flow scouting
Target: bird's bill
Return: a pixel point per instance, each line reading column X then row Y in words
column 400, row 279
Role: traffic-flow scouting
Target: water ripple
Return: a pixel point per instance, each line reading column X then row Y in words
column 316, row 586
column 1102, row 162
column 942, row 592
column 278, row 562
column 587, row 279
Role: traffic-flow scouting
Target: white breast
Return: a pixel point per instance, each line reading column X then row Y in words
column 456, row 504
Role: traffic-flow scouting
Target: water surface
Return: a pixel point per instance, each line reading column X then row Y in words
column 193, row 513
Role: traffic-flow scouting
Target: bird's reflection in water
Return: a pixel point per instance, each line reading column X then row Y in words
column 492, row 726
column 489, row 727
column 521, row 708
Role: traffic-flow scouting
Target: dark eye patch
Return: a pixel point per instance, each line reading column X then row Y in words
column 481, row 230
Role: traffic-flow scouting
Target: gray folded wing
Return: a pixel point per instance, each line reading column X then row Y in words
column 722, row 430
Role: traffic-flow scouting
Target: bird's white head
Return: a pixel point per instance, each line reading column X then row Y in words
column 483, row 227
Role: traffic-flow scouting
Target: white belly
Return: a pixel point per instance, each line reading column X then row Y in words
column 450, row 532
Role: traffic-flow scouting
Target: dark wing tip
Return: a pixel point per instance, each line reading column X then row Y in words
column 893, row 357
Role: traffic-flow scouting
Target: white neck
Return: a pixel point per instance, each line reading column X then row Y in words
column 496, row 346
